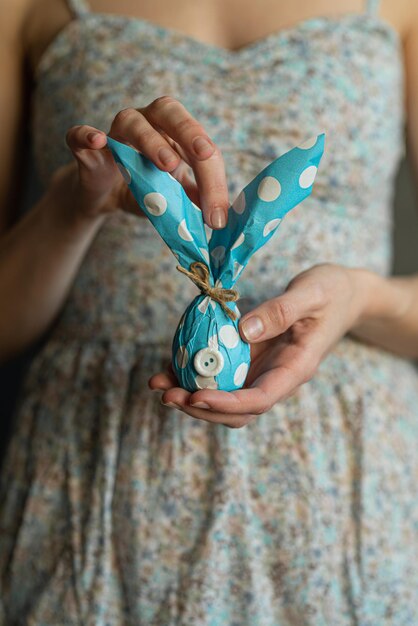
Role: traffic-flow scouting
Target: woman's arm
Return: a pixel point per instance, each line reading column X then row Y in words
column 39, row 259
column 45, row 241
column 390, row 314
column 39, row 255
column 390, row 318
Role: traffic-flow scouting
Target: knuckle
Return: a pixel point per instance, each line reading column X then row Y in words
column 217, row 187
column 163, row 102
column 216, row 154
column 124, row 115
column 309, row 369
column 146, row 134
column 188, row 125
column 71, row 131
column 264, row 408
column 280, row 313
column 307, row 375
column 236, row 424
column 318, row 296
column 74, row 134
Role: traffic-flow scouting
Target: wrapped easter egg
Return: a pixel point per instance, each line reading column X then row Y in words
column 208, row 351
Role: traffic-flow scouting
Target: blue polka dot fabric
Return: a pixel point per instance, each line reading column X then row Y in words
column 208, row 351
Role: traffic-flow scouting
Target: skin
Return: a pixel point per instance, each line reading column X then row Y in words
column 41, row 253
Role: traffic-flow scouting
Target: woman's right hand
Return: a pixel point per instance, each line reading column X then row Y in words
column 166, row 133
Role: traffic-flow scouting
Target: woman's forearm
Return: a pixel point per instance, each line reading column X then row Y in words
column 39, row 259
column 390, row 314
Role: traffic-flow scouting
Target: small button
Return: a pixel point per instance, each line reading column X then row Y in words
column 208, row 362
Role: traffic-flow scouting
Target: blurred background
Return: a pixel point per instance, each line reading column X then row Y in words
column 405, row 233
column 405, row 240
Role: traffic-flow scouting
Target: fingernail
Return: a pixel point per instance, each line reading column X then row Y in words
column 218, row 218
column 252, row 327
column 166, row 155
column 92, row 136
column 173, row 404
column 200, row 405
column 201, row 145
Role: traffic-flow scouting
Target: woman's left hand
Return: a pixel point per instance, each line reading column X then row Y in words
column 296, row 330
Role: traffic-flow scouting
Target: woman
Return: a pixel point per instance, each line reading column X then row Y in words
column 117, row 509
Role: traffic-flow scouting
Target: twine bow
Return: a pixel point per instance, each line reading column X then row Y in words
column 199, row 274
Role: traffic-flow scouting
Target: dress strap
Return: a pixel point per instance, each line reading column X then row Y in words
column 372, row 7
column 78, row 7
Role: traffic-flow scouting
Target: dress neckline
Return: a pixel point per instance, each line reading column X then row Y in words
column 197, row 46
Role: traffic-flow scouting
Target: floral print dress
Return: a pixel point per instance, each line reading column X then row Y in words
column 117, row 510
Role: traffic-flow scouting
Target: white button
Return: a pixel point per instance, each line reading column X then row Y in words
column 208, row 362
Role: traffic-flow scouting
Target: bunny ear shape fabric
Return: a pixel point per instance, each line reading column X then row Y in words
column 257, row 211
column 163, row 200
column 208, row 351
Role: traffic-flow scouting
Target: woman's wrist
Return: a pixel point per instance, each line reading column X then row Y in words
column 382, row 298
column 387, row 315
column 63, row 216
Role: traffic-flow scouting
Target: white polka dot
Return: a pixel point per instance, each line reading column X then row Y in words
column 229, row 336
column 125, row 172
column 196, row 207
column 213, row 342
column 208, row 232
column 218, row 283
column 205, row 383
column 183, row 231
column 155, row 203
column 205, row 254
column 182, row 357
column 240, row 374
column 271, row 225
column 309, row 143
column 237, row 311
column 307, row 177
column 237, row 269
column 239, row 203
column 218, row 255
column 203, row 305
column 269, row 189
column 238, row 241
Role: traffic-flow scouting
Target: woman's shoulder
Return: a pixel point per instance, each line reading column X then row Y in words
column 402, row 14
column 42, row 21
column 12, row 19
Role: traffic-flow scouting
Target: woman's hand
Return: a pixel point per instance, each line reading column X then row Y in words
column 290, row 335
column 166, row 133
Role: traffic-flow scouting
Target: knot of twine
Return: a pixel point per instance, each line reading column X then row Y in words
column 199, row 274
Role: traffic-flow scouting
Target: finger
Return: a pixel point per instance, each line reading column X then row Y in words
column 131, row 125
column 268, row 389
column 162, row 381
column 238, row 402
column 187, row 181
column 296, row 366
column 84, row 139
column 97, row 170
column 275, row 316
column 203, row 155
column 179, row 397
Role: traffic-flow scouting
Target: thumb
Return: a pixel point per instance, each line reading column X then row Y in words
column 97, row 171
column 275, row 316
